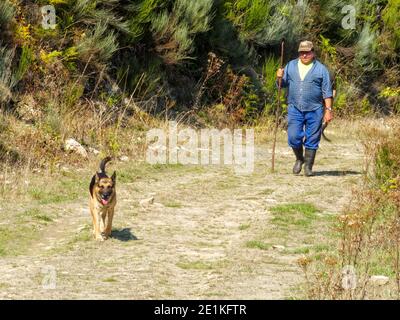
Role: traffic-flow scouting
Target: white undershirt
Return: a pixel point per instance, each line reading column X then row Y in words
column 304, row 68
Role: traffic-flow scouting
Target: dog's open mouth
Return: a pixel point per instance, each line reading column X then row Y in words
column 104, row 200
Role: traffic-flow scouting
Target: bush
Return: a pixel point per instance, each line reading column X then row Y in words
column 7, row 80
column 368, row 229
column 7, row 12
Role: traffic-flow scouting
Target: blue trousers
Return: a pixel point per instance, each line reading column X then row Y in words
column 304, row 127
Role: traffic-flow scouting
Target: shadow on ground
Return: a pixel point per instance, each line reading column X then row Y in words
column 123, row 234
column 336, row 173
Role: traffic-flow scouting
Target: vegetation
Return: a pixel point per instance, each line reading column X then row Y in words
column 368, row 230
column 122, row 63
column 111, row 69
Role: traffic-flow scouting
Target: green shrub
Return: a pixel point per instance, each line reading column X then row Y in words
column 391, row 18
column 7, row 12
column 99, row 44
column 25, row 61
column 7, row 80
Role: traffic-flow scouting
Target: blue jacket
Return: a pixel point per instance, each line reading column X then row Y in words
column 307, row 95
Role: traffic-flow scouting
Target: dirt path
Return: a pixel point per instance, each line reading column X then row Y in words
column 208, row 235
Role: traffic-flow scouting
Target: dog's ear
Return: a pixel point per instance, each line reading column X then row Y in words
column 92, row 183
column 114, row 177
column 96, row 178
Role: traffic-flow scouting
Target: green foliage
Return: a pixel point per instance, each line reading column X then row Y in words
column 256, row 244
column 298, row 214
column 92, row 12
column 269, row 72
column 392, row 22
column 140, row 16
column 328, row 50
column 251, row 101
column 152, row 47
column 7, row 80
column 366, row 50
column 70, row 55
column 72, row 94
column 267, row 22
column 7, row 12
column 386, row 163
column 248, row 15
column 389, row 92
column 174, row 31
column 99, row 44
column 25, row 61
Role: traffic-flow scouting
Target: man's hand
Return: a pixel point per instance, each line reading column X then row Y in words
column 328, row 116
column 279, row 73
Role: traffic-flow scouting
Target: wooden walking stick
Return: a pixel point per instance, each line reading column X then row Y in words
column 278, row 109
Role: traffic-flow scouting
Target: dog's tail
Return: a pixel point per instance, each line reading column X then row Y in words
column 103, row 164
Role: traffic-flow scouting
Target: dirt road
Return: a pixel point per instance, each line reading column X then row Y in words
column 210, row 234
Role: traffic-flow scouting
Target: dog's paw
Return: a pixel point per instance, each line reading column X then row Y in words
column 104, row 236
column 99, row 237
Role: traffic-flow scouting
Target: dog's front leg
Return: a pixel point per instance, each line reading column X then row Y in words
column 98, row 226
column 110, row 215
column 96, row 223
column 102, row 220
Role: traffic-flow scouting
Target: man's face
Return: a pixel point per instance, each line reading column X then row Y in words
column 306, row 57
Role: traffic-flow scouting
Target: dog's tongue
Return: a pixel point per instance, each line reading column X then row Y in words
column 104, row 202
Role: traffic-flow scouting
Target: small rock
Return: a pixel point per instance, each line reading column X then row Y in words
column 124, row 158
column 146, row 202
column 75, row 146
column 93, row 150
column 278, row 247
column 379, row 280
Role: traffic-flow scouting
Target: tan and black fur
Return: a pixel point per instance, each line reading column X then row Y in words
column 103, row 199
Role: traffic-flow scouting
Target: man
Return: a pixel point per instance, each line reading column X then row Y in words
column 309, row 102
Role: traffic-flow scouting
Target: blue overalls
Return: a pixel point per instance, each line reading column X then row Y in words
column 305, row 103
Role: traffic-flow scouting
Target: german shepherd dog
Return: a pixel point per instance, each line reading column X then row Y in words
column 103, row 199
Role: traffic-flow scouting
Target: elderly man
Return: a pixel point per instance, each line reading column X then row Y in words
column 309, row 102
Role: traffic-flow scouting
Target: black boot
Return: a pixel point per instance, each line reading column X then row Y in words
column 309, row 158
column 299, row 159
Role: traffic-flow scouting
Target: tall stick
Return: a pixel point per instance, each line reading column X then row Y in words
column 278, row 109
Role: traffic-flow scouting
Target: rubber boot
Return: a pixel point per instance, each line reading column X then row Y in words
column 309, row 158
column 299, row 160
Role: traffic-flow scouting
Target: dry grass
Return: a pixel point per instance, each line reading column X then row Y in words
column 368, row 229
